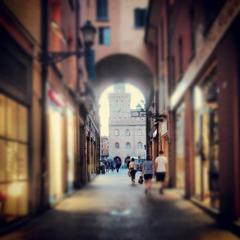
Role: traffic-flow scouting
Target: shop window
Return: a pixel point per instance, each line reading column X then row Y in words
column 11, row 119
column 206, row 143
column 23, row 124
column 2, row 161
column 104, row 36
column 22, row 162
column 102, row 10
column 140, row 16
column 13, row 158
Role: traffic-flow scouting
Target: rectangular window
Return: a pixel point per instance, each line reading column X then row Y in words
column 104, row 36
column 140, row 17
column 180, row 56
column 102, row 10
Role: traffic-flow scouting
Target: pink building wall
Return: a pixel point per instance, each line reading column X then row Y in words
column 125, row 38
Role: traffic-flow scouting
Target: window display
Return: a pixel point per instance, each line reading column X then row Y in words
column 13, row 159
column 12, row 119
column 206, row 143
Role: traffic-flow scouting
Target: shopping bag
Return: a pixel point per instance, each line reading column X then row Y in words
column 140, row 180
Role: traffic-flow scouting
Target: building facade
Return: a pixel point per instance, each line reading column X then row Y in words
column 104, row 147
column 47, row 112
column 20, row 95
column 127, row 133
column 197, row 43
column 119, row 23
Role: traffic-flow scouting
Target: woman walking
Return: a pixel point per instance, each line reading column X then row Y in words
column 132, row 169
column 147, row 171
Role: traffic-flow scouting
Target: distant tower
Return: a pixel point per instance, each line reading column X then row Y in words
column 119, row 103
column 127, row 134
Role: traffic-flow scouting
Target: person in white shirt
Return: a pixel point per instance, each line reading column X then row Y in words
column 161, row 169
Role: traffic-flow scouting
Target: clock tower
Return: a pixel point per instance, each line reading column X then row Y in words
column 127, row 134
column 119, row 103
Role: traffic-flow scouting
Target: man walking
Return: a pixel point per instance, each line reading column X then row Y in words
column 161, row 169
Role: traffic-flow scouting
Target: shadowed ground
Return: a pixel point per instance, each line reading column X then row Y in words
column 112, row 208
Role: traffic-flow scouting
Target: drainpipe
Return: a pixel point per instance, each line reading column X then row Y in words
column 44, row 76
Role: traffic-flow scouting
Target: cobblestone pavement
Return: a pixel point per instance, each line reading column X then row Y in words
column 111, row 208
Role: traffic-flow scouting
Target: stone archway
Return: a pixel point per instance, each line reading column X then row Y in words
column 122, row 68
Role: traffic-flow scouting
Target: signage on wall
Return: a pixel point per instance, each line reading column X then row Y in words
column 56, row 98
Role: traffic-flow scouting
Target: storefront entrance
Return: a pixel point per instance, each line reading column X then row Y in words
column 206, row 143
column 180, row 165
column 56, row 155
column 71, row 148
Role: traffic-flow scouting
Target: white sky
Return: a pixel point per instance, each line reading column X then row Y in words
column 136, row 97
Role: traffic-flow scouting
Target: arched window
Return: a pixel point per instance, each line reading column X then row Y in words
column 128, row 145
column 127, row 132
column 117, row 145
column 139, row 145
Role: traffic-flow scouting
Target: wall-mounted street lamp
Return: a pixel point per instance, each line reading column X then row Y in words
column 142, row 113
column 88, row 31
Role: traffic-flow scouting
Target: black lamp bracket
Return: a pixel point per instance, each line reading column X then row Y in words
column 56, row 57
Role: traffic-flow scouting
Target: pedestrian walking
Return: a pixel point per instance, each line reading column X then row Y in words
column 147, row 171
column 127, row 161
column 132, row 169
column 161, row 169
column 118, row 164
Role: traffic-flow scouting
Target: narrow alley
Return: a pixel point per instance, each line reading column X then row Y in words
column 112, row 208
column 92, row 86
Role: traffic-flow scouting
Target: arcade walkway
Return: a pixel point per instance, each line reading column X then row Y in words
column 111, row 208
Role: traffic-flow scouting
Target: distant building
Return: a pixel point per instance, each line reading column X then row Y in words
column 104, row 147
column 127, row 133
